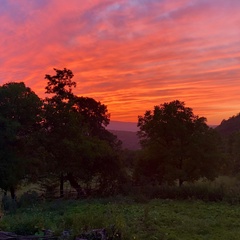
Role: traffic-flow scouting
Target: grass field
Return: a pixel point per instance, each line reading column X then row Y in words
column 157, row 219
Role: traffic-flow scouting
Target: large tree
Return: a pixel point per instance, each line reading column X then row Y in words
column 80, row 146
column 178, row 145
column 20, row 118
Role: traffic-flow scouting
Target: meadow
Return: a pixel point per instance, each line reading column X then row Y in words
column 126, row 219
column 204, row 210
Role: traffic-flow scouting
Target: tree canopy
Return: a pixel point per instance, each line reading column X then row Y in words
column 80, row 146
column 178, row 144
column 63, row 137
column 67, row 133
column 20, row 118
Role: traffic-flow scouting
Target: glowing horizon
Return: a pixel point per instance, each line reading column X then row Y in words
column 129, row 54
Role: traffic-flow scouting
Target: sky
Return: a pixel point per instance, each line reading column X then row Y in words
column 128, row 54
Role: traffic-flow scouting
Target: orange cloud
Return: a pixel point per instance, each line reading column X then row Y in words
column 129, row 54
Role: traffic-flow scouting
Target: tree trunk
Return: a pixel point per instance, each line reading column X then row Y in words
column 180, row 182
column 61, row 185
column 12, row 191
column 180, row 167
column 75, row 185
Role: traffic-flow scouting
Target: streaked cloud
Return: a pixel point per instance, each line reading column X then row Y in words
column 128, row 54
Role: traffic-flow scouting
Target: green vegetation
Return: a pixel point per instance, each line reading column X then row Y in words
column 20, row 110
column 67, row 134
column 75, row 131
column 177, row 144
column 169, row 189
column 157, row 219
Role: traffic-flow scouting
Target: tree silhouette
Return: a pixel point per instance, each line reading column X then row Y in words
column 76, row 134
column 178, row 145
column 20, row 118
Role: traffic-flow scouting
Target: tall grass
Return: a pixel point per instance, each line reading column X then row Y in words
column 226, row 189
column 125, row 219
column 144, row 212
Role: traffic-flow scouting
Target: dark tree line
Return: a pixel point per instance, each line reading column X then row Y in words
column 63, row 138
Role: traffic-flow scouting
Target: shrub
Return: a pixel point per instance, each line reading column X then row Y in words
column 8, row 204
column 28, row 199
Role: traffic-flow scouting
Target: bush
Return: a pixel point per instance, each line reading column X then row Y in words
column 204, row 192
column 8, row 204
column 28, row 199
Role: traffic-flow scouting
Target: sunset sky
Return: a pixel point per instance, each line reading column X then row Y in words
column 129, row 54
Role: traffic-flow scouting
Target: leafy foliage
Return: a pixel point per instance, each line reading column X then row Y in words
column 64, row 138
column 177, row 145
column 61, row 84
column 80, row 146
column 20, row 118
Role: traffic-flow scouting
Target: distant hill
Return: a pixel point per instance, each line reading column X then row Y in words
column 229, row 126
column 127, row 133
column 123, row 126
column 129, row 139
column 212, row 126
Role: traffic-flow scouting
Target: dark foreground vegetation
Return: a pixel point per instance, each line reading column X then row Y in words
column 124, row 218
column 61, row 145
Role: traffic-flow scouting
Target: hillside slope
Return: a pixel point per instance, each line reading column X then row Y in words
column 229, row 126
column 129, row 139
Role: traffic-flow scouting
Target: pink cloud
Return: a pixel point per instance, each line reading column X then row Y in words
column 130, row 55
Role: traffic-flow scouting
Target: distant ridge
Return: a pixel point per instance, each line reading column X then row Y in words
column 129, row 126
column 213, row 126
column 229, row 126
column 123, row 126
column 127, row 133
column 129, row 139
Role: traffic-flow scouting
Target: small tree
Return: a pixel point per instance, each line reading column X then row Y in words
column 178, row 145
